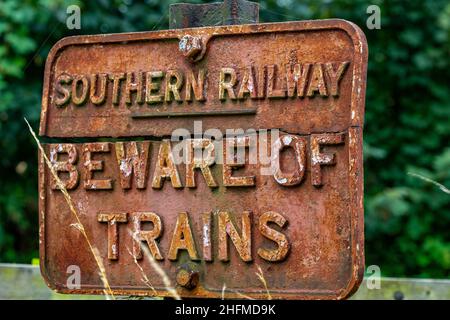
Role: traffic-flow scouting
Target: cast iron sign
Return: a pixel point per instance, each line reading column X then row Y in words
column 222, row 154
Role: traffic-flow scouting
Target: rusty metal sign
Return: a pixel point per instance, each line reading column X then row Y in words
column 229, row 158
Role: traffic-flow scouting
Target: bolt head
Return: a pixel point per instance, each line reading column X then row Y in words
column 187, row 278
column 190, row 46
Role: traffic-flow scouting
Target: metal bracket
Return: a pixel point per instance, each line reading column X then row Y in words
column 229, row 12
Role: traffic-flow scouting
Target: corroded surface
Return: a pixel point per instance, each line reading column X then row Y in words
column 302, row 224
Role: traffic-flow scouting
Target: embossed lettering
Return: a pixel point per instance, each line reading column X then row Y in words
column 91, row 165
column 242, row 242
column 113, row 233
column 132, row 158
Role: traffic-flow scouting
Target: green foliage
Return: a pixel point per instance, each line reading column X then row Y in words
column 407, row 116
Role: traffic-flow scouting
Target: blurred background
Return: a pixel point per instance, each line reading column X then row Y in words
column 407, row 130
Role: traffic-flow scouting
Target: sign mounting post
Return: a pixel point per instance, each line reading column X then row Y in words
column 228, row 12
